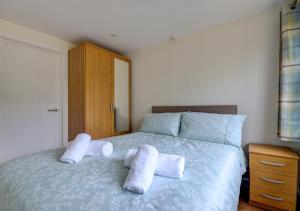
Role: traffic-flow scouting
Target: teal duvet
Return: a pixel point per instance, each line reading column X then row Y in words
column 40, row 182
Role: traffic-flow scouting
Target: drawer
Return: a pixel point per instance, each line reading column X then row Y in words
column 273, row 181
column 276, row 165
column 273, row 198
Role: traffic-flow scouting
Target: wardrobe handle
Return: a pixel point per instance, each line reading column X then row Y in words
column 111, row 108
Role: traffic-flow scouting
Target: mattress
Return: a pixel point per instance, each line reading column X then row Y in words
column 40, row 182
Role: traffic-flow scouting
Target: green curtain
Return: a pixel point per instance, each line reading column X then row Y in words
column 289, row 80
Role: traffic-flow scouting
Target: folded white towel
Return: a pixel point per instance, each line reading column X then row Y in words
column 168, row 165
column 75, row 152
column 99, row 148
column 141, row 173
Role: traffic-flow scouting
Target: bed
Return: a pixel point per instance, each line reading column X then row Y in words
column 211, row 181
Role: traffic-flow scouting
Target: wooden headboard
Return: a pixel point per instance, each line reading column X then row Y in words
column 218, row 109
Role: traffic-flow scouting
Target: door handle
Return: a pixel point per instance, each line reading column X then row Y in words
column 53, row 110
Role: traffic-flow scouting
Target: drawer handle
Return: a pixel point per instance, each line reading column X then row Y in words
column 271, row 197
column 271, row 163
column 271, row 180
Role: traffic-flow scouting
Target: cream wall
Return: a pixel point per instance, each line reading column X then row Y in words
column 23, row 34
column 235, row 63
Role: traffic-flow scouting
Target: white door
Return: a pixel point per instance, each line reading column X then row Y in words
column 29, row 97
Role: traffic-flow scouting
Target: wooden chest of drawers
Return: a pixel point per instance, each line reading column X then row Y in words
column 273, row 177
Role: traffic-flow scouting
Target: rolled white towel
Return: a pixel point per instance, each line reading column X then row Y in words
column 75, row 152
column 99, row 148
column 141, row 173
column 168, row 165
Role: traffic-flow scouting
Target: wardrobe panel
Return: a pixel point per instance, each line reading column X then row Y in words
column 76, row 84
column 92, row 92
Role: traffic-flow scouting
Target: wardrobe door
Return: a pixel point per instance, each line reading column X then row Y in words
column 121, row 95
column 106, row 93
column 98, row 93
column 92, row 90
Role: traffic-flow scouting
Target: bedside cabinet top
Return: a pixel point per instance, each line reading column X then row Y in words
column 277, row 151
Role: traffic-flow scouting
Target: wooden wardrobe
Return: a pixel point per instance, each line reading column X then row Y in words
column 98, row 92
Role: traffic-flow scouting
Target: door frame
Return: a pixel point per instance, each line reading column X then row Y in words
column 62, row 79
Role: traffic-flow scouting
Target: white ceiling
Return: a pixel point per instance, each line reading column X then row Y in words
column 138, row 23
